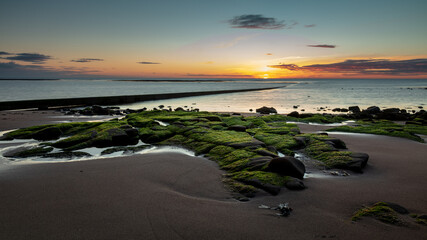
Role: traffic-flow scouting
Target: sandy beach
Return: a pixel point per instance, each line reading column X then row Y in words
column 174, row 196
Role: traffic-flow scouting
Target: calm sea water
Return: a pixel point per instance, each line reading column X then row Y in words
column 309, row 95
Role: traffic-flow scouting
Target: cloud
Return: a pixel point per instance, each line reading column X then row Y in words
column 269, row 54
column 365, row 66
column 84, row 60
column 14, row 70
column 4, row 53
column 29, row 57
column 322, row 46
column 218, row 75
column 310, row 25
column 148, row 62
column 256, row 21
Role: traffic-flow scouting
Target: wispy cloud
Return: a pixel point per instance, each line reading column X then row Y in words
column 322, row 46
column 84, row 60
column 4, row 53
column 29, row 57
column 15, row 70
column 365, row 66
column 218, row 75
column 256, row 21
column 148, row 62
column 269, row 54
column 310, row 25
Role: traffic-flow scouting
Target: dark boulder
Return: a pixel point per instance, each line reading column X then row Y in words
column 295, row 184
column 287, row 166
column 336, row 143
column 266, row 110
column 263, row 152
column 354, row 109
column 257, row 163
column 98, row 110
column 372, row 110
column 358, row 162
column 253, row 143
column 301, row 141
column 237, row 128
column 293, row 114
column 50, row 133
column 212, row 118
column 398, row 208
column 391, row 110
column 6, row 138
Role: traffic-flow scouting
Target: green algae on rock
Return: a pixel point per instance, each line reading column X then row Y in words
column 381, row 211
column 242, row 146
column 407, row 130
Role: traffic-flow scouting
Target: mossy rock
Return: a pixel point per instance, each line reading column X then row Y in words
column 267, row 181
column 387, row 128
column 380, row 211
column 67, row 154
column 23, row 152
column 238, row 187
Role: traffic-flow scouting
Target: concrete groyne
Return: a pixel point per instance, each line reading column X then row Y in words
column 110, row 100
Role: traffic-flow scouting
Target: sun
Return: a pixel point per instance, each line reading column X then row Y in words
column 265, row 76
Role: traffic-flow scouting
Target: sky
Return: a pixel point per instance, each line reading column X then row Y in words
column 213, row 39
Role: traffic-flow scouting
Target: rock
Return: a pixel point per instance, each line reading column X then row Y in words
column 273, row 190
column 391, row 110
column 28, row 151
column 132, row 132
column 398, row 208
column 50, row 133
column 266, row 110
column 258, row 163
column 213, row 118
column 295, row 184
column 354, row 109
column 302, row 141
column 253, row 143
column 237, row 128
column 179, row 109
column 98, row 110
column 263, row 152
column 6, row 138
column 293, row 114
column 295, row 107
column 68, row 155
column 358, row 162
column 287, row 166
column 372, row 110
column 336, row 143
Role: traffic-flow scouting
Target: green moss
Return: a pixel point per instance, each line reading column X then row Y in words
column 235, row 186
column 385, row 127
column 219, row 151
column 221, row 137
column 37, row 151
column 283, row 143
column 335, row 159
column 263, row 177
column 230, row 121
column 98, row 136
column 380, row 211
column 422, row 221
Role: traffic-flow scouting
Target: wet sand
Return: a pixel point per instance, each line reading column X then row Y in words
column 174, row 196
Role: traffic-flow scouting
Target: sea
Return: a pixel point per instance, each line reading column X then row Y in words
column 304, row 95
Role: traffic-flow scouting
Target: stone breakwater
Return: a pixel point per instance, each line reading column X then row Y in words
column 110, row 100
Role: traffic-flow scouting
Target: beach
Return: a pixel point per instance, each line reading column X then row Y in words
column 175, row 196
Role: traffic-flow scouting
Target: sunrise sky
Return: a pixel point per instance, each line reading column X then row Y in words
column 213, row 39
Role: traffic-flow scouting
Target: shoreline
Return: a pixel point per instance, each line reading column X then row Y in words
column 174, row 196
column 112, row 100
